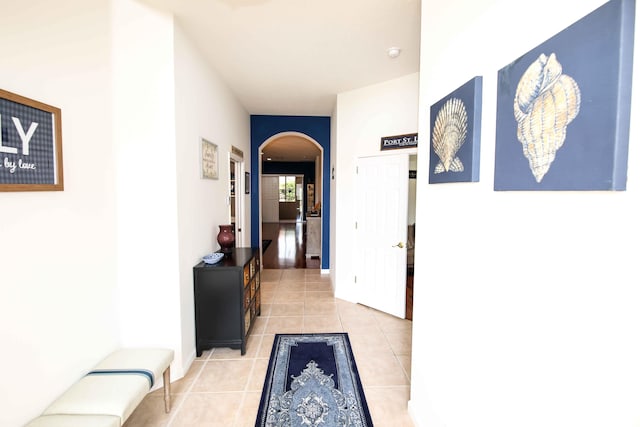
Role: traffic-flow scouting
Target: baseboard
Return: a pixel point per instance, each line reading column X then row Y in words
column 412, row 414
column 188, row 361
column 325, row 271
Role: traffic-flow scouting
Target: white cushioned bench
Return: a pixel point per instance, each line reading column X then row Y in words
column 109, row 393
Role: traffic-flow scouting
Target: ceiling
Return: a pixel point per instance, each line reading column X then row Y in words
column 290, row 148
column 291, row 57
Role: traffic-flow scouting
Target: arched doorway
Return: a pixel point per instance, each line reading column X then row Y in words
column 315, row 128
column 290, row 202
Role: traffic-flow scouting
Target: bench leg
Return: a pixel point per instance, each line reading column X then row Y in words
column 167, row 389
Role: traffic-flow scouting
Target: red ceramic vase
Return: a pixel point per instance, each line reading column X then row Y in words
column 226, row 238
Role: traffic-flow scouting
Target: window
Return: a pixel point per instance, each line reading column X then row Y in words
column 287, row 188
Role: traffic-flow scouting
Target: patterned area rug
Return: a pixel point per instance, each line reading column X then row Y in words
column 312, row 381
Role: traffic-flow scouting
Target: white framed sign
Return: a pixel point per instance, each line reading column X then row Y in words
column 209, row 161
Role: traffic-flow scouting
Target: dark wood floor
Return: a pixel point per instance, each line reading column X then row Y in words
column 288, row 246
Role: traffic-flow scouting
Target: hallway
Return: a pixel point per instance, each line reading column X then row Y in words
column 287, row 247
column 223, row 388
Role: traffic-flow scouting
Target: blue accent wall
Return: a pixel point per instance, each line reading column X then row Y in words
column 317, row 128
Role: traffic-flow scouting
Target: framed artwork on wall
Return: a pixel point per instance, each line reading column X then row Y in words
column 30, row 145
column 409, row 140
column 454, row 152
column 247, row 183
column 209, row 159
column 563, row 108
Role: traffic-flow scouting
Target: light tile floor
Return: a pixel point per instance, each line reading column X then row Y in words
column 223, row 388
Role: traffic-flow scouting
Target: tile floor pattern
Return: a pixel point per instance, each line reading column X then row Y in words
column 223, row 388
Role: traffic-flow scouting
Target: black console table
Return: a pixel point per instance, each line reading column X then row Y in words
column 227, row 300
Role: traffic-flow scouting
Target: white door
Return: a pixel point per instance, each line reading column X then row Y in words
column 270, row 199
column 381, row 221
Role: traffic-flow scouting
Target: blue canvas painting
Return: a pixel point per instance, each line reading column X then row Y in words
column 563, row 108
column 455, row 135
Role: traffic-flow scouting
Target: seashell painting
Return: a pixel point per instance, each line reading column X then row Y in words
column 454, row 149
column 449, row 133
column 564, row 107
column 546, row 101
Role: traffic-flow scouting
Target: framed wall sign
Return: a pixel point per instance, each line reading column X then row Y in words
column 209, row 160
column 30, row 145
column 409, row 140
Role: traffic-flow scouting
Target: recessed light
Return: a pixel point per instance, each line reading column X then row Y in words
column 393, row 52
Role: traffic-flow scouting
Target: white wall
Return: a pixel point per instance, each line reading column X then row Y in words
column 526, row 309
column 145, row 144
column 362, row 117
column 108, row 261
column 58, row 303
column 205, row 108
column 332, row 195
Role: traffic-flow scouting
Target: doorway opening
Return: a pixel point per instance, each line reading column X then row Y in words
column 290, row 195
column 290, row 198
column 236, row 201
column 411, row 233
column 289, row 235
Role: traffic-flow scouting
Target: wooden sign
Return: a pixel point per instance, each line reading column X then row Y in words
column 30, row 145
column 399, row 141
column 209, row 159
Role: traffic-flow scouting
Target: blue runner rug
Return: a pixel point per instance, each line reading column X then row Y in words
column 312, row 380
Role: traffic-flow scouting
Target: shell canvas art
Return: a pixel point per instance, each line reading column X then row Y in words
column 563, row 113
column 455, row 135
column 449, row 133
column 546, row 102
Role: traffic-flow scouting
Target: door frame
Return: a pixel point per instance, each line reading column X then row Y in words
column 239, row 196
column 319, row 178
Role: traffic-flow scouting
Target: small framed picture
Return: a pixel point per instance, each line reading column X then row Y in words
column 209, row 161
column 247, row 183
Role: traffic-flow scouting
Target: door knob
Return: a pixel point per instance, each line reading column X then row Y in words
column 399, row 245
